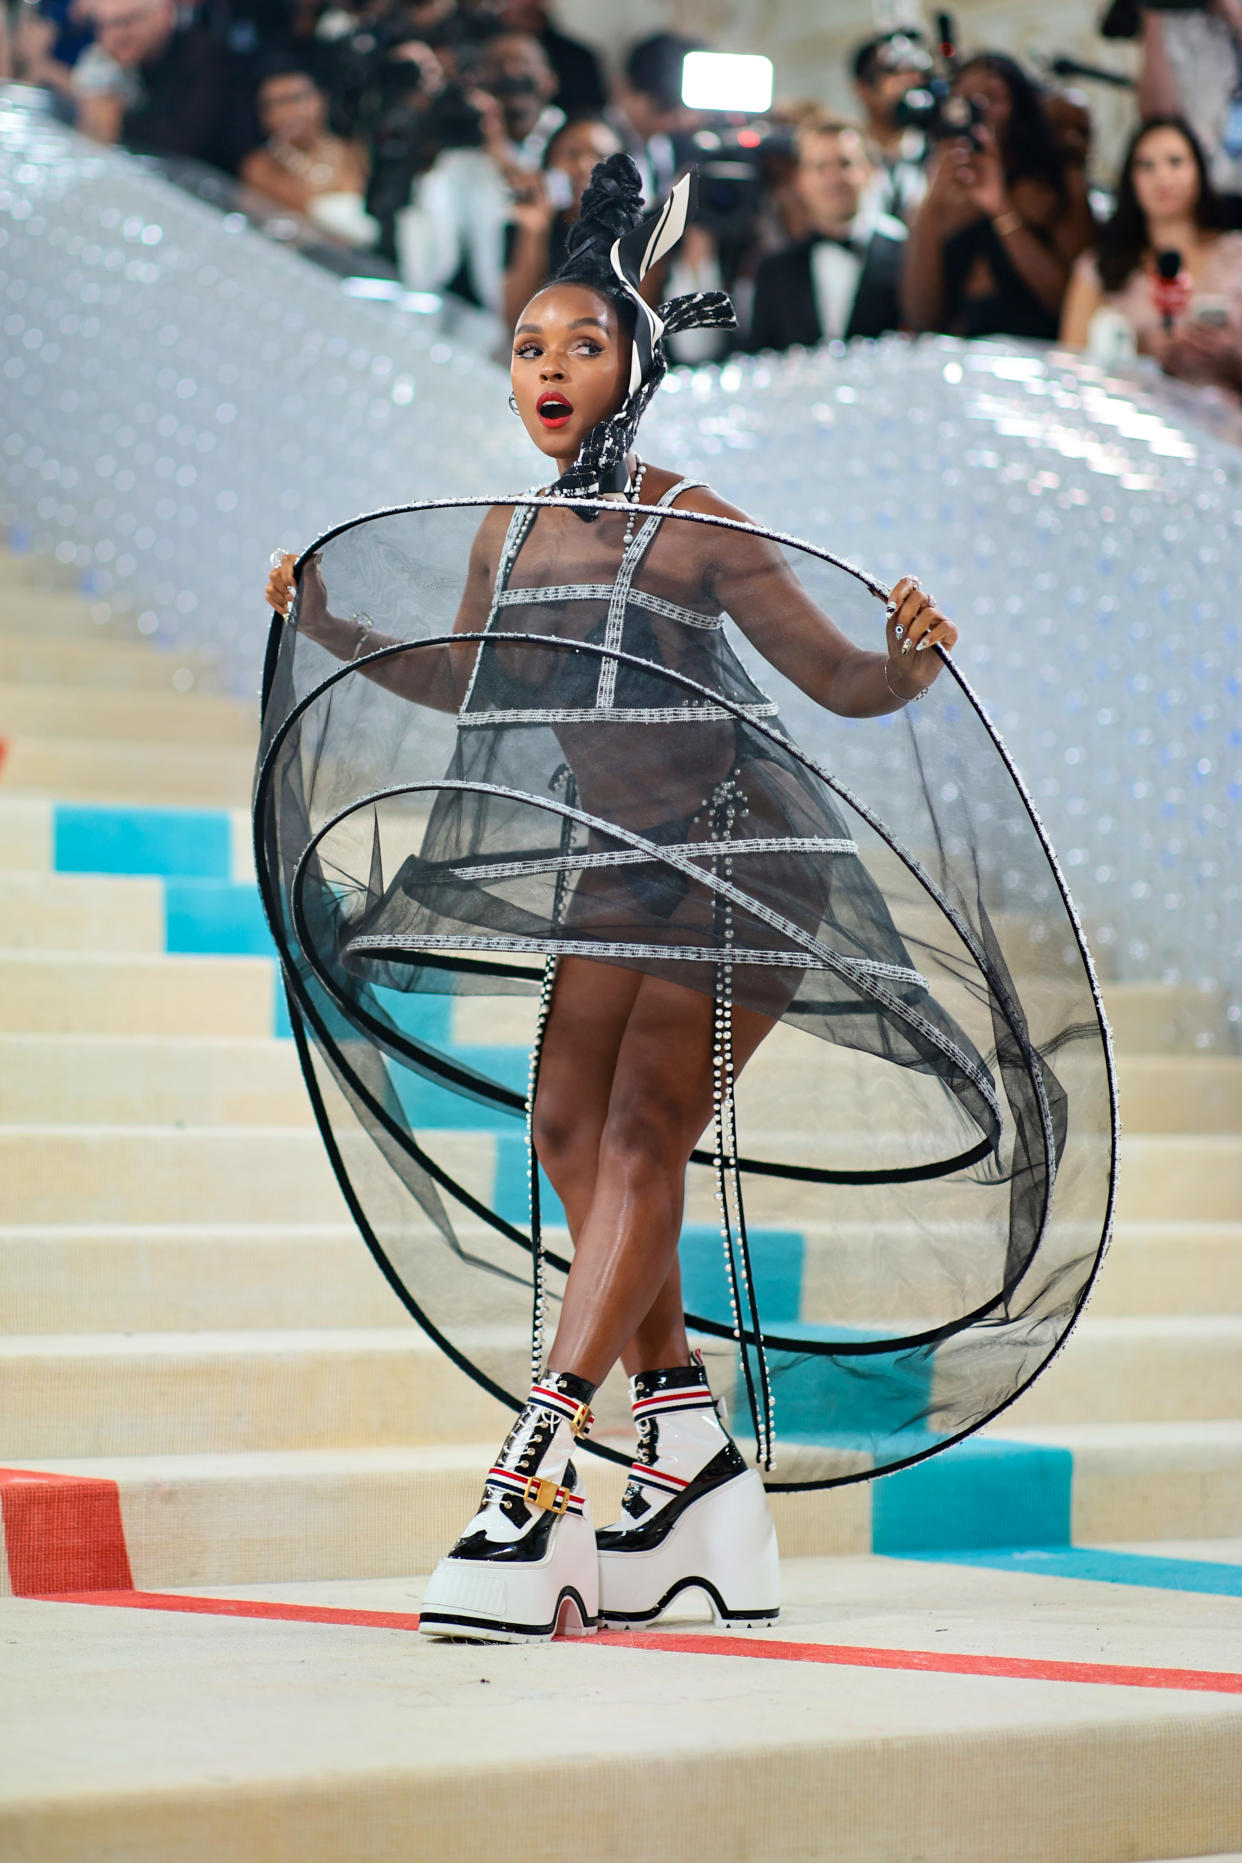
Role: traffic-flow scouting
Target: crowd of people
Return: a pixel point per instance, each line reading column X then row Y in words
column 454, row 138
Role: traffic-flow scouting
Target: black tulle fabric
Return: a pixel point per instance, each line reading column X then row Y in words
column 920, row 1184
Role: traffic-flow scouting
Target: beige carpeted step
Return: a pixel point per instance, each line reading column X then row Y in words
column 80, row 912
column 1164, row 1178
column 89, row 993
column 1145, row 1480
column 1182, row 1368
column 193, row 774
column 141, row 1393
column 142, row 717
column 72, row 1079
column 92, row 1394
column 166, row 1174
column 159, row 1174
column 252, row 1517
column 35, row 658
column 149, row 1277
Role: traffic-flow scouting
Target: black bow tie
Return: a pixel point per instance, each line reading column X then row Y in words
column 846, row 243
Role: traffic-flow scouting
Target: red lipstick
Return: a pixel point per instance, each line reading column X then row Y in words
column 553, row 408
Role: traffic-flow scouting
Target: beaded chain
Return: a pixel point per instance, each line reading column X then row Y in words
column 724, row 1152
column 563, row 779
column 634, row 494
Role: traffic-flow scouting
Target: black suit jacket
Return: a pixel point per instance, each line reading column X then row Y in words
column 784, row 310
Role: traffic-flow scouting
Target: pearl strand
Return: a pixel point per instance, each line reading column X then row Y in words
column 725, row 1157
column 634, row 496
column 538, row 1280
column 563, row 780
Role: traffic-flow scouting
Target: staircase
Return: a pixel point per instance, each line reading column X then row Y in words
column 189, row 1316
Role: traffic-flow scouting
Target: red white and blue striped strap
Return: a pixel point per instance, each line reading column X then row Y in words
column 536, row 1492
column 657, row 1478
column 666, row 1403
column 547, row 1397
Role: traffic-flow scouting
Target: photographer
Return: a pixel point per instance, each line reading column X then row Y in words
column 842, row 281
column 161, row 86
column 451, row 234
column 1166, row 263
column 545, row 206
column 884, row 71
column 1003, row 220
column 580, row 88
column 647, row 112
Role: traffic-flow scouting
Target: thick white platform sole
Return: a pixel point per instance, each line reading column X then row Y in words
column 723, row 1546
column 519, row 1603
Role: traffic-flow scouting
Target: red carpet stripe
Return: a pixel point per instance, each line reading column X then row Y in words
column 766, row 1649
column 62, row 1533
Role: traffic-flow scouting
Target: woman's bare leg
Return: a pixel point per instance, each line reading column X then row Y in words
column 621, row 1284
column 590, row 1008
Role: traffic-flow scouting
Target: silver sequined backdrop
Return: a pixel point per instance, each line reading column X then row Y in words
column 180, row 396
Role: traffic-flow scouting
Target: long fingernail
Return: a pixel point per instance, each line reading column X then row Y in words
column 899, row 631
column 922, row 646
column 906, row 645
column 890, row 608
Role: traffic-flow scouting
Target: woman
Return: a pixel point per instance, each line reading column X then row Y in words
column 302, row 165
column 633, row 1062
column 1191, row 322
column 1003, row 220
column 546, row 206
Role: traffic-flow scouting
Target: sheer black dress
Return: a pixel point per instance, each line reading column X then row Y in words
column 897, row 1214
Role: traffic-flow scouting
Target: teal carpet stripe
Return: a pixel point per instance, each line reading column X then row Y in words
column 981, row 1495
column 1099, row 1566
column 217, row 918
column 186, row 842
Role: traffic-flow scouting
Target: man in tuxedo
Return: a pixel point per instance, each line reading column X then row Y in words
column 841, row 281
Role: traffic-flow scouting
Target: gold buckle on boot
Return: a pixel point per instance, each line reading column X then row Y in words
column 546, row 1494
column 581, row 1420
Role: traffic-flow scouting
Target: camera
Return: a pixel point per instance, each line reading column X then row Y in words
column 941, row 116
column 735, row 167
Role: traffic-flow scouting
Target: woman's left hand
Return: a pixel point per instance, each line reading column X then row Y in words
column 915, row 625
column 981, row 174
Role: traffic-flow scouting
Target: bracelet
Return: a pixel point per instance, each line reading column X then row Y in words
column 364, row 624
column 907, row 698
column 1007, row 223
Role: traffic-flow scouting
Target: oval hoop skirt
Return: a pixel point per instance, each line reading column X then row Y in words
column 896, row 1218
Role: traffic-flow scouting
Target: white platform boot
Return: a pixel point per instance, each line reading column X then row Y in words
column 694, row 1517
column 526, row 1566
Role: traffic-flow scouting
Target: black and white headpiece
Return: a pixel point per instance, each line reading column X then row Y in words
column 601, row 463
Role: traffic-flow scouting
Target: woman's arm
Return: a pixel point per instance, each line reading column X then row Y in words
column 433, row 676
column 528, row 268
column 922, row 288
column 752, row 581
column 1082, row 301
column 1043, row 264
column 1158, row 94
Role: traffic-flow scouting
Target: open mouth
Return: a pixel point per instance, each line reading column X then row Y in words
column 553, row 410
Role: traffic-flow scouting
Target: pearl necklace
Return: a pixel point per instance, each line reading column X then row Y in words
column 634, row 496
column 316, row 174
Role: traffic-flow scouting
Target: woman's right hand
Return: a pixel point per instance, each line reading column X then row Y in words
column 281, row 588
column 532, row 211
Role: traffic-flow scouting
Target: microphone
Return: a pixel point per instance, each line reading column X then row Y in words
column 1075, row 68
column 1170, row 291
column 946, row 39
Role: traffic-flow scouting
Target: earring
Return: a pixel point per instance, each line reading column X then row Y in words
column 513, row 403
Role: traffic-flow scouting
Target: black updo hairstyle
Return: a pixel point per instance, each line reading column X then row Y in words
column 611, row 207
